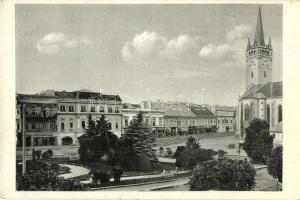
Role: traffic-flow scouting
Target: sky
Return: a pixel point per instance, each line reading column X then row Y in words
column 168, row 52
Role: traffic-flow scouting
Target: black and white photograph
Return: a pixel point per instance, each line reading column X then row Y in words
column 149, row 97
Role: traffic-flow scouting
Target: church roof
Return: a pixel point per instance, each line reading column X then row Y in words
column 268, row 90
column 259, row 32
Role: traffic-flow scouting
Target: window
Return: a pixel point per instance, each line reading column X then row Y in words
column 153, row 121
column 117, row 110
column 265, row 74
column 160, row 121
column 110, row 110
column 71, row 108
column 109, row 125
column 117, row 125
column 279, row 113
column 71, row 125
column 251, row 74
column 33, row 111
column 33, row 126
column 93, row 109
column 101, row 109
column 26, row 126
column 179, row 123
column 62, row 127
column 18, row 111
column 82, row 109
column 44, row 126
column 83, row 124
column 126, row 121
column 18, row 125
column 52, row 126
column 62, row 108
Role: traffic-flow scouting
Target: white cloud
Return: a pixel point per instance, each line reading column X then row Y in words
column 54, row 42
column 147, row 46
column 238, row 32
column 181, row 45
column 212, row 51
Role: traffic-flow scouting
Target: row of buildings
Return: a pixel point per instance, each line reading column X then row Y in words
column 54, row 118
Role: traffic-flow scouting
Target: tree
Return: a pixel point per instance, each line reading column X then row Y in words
column 135, row 146
column 190, row 157
column 192, row 143
column 98, row 144
column 258, row 141
column 275, row 163
column 223, row 174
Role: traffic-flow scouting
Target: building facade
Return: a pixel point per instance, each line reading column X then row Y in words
column 59, row 118
column 154, row 118
column 225, row 116
column 263, row 97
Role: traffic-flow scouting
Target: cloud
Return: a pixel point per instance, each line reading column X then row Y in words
column 238, row 32
column 184, row 74
column 216, row 52
column 148, row 46
column 52, row 43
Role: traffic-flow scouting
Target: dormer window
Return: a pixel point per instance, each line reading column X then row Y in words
column 251, row 74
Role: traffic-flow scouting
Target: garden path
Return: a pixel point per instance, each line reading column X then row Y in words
column 75, row 171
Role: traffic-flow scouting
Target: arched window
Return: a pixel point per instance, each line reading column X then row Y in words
column 83, row 124
column 247, row 112
column 279, row 113
column 268, row 113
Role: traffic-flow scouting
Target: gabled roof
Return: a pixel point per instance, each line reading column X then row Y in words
column 179, row 113
column 201, row 111
column 268, row 90
column 225, row 108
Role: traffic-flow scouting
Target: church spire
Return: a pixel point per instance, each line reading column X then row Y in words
column 248, row 45
column 259, row 32
column 269, row 43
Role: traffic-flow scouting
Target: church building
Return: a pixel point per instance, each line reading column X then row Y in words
column 263, row 97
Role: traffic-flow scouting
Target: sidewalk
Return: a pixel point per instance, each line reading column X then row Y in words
column 75, row 171
column 168, row 173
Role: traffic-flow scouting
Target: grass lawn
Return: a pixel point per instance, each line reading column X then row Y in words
column 182, row 139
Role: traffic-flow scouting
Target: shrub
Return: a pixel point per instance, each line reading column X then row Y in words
column 258, row 141
column 178, row 151
column 169, row 151
column 38, row 154
column 275, row 163
column 192, row 143
column 223, row 174
column 47, row 154
column 190, row 157
column 47, row 181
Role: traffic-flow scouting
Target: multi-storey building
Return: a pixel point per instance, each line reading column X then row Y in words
column 59, row 118
column 263, row 97
column 154, row 118
column 205, row 120
column 225, row 118
column 40, row 114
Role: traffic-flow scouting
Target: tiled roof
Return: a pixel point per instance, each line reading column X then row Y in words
column 179, row 113
column 202, row 111
column 272, row 89
column 224, row 108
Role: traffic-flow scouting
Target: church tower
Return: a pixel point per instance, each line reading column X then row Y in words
column 258, row 57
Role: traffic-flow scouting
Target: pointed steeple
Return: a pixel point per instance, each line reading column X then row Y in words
column 248, row 45
column 259, row 32
column 270, row 44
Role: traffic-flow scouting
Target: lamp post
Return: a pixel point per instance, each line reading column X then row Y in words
column 23, row 142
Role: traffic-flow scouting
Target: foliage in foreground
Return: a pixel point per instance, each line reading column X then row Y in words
column 47, row 181
column 275, row 163
column 98, row 144
column 135, row 152
column 258, row 141
column 223, row 174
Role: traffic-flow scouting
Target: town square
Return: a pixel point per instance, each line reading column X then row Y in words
column 149, row 97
